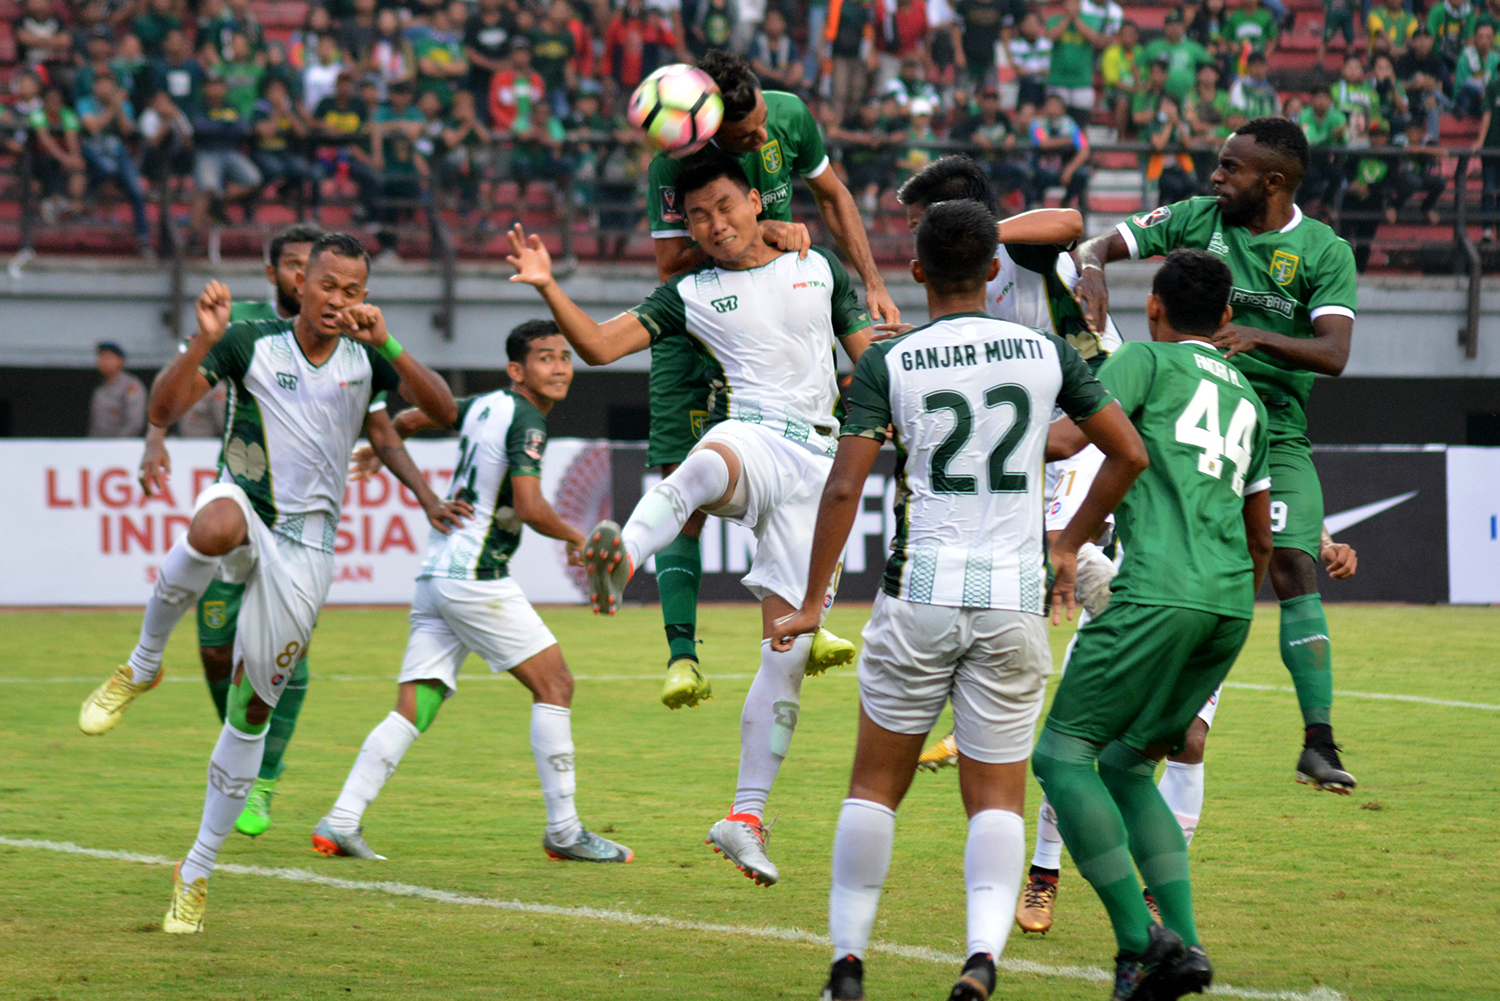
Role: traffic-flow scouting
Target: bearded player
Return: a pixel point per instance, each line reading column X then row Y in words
column 1294, row 300
column 219, row 608
column 772, row 136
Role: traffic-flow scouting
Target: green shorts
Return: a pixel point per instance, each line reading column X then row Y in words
column 1296, row 494
column 1140, row 673
column 679, row 400
column 1337, row 22
column 219, row 613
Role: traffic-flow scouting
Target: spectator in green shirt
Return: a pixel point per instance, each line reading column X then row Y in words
column 1184, row 55
column 57, row 155
column 552, row 52
column 1476, row 68
column 153, row 26
column 1121, row 68
column 1369, row 198
column 441, row 65
column 1338, row 18
column 1145, row 102
column 242, row 74
column 1249, row 22
column 1489, row 139
column 1391, row 27
column 1390, row 96
column 1252, row 95
column 1357, row 100
column 1071, row 75
column 1451, row 24
column 1325, row 126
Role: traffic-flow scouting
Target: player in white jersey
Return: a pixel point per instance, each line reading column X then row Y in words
column 770, row 321
column 960, row 616
column 467, row 601
column 301, row 391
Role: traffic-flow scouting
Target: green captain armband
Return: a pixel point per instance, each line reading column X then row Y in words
column 391, row 349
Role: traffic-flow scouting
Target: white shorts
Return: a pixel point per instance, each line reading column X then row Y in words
column 452, row 618
column 1206, row 714
column 784, row 485
column 991, row 663
column 1068, row 482
column 286, row 584
column 1074, row 97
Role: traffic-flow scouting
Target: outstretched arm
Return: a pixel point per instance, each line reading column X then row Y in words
column 532, row 508
column 180, row 384
column 1091, row 256
column 1124, row 459
column 386, row 442
column 419, row 384
column 836, row 511
column 1326, row 352
column 596, row 343
column 841, row 216
column 1058, row 227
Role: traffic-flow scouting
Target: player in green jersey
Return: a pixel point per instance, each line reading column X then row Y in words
column 219, row 608
column 1196, row 527
column 1294, row 298
column 772, row 136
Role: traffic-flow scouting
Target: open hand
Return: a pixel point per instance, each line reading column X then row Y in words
column 212, row 308
column 528, row 255
column 448, row 515
column 364, row 463
column 885, row 331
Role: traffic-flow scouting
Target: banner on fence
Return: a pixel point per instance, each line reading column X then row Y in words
column 81, row 532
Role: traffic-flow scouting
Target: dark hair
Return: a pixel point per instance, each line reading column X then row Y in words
column 946, row 179
column 518, row 344
column 1283, row 137
column 705, row 170
column 1321, row 88
column 111, row 347
column 341, row 245
column 956, row 242
column 737, row 82
column 1193, row 286
column 297, row 233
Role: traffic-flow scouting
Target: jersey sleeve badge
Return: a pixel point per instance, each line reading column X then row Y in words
column 770, row 156
column 535, row 441
column 669, row 210
column 1283, row 267
column 1161, row 214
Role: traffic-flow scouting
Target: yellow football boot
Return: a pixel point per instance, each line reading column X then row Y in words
column 107, row 703
column 943, row 754
column 185, row 916
column 828, row 651
column 685, row 684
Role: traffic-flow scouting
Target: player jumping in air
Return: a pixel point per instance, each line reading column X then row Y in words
column 219, row 608
column 770, row 320
column 1294, row 299
column 1196, row 529
column 960, row 615
column 772, row 136
column 302, row 390
column 467, row 601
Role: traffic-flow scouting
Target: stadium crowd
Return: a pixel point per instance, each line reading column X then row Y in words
column 393, row 101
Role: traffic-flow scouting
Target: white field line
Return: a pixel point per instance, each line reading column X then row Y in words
column 484, row 676
column 796, row 935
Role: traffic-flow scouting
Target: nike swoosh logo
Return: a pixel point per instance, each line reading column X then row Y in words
column 1346, row 519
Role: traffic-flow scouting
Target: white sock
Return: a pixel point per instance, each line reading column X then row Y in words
column 659, row 516
column 552, row 746
column 1049, row 843
column 377, row 761
column 231, row 773
column 768, row 721
column 861, row 858
column 994, row 860
column 184, row 575
column 1181, row 786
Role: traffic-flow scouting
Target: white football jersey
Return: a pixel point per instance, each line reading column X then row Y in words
column 770, row 334
column 1020, row 293
column 291, row 424
column 970, row 398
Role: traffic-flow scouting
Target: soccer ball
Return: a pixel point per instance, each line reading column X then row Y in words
column 678, row 107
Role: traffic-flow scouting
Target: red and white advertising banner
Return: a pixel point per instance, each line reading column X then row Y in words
column 80, row 531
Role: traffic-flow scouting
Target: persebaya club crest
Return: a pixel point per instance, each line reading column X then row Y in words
column 1283, row 267
column 770, row 156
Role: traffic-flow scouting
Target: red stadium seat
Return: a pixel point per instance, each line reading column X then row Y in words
column 280, row 14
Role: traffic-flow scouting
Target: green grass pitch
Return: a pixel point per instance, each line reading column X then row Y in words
column 1388, row 894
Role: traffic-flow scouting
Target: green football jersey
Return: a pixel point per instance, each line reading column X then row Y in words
column 1283, row 280
column 1182, row 521
column 253, row 310
column 793, row 146
column 502, row 435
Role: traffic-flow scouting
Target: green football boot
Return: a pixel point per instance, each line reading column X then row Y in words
column 685, row 684
column 256, row 816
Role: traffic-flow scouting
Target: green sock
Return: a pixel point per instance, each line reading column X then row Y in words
column 1308, row 655
column 679, row 570
column 284, row 722
column 1156, row 841
column 1094, row 832
column 218, row 690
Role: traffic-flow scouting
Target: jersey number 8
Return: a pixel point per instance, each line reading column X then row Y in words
column 1198, row 426
column 1001, row 482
